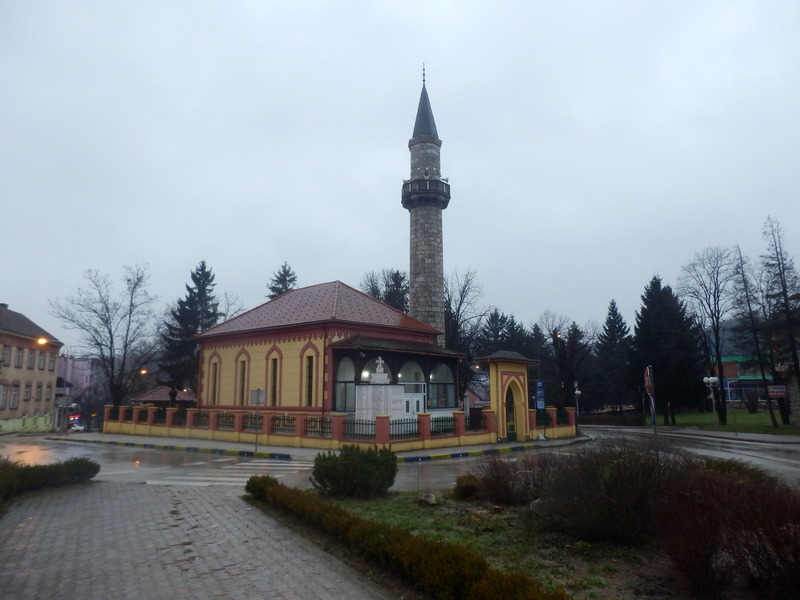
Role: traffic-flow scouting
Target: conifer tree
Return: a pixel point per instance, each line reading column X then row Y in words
column 390, row 286
column 492, row 334
column 666, row 338
column 612, row 352
column 283, row 280
column 196, row 312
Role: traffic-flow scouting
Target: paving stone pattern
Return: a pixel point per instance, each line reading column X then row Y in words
column 115, row 541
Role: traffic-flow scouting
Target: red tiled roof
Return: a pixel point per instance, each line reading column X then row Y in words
column 325, row 302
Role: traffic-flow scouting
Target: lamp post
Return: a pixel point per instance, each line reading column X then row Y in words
column 577, row 402
column 711, row 383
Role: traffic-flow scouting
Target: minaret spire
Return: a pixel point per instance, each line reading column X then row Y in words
column 425, row 195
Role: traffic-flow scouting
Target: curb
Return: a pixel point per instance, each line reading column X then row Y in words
column 248, row 453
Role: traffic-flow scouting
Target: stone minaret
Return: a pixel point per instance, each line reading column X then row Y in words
column 425, row 196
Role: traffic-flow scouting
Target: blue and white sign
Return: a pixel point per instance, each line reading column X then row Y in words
column 539, row 395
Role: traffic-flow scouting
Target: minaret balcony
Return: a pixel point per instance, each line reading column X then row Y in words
column 426, row 191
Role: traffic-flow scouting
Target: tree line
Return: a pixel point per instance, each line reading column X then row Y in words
column 724, row 303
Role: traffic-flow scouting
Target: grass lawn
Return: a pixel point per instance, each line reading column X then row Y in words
column 738, row 421
column 506, row 538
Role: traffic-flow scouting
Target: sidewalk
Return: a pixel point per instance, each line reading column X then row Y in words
column 411, row 456
column 678, row 431
column 304, row 454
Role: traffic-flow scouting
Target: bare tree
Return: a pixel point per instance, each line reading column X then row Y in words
column 230, row 305
column 463, row 320
column 570, row 350
column 707, row 284
column 783, row 294
column 746, row 306
column 120, row 332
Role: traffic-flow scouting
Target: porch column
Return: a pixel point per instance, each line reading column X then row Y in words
column 491, row 420
column 424, row 426
column 238, row 421
column 337, row 426
column 382, row 430
column 459, row 425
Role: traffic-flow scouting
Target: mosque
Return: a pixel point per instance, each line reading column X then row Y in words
column 327, row 364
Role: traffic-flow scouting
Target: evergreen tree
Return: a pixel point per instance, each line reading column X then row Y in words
column 492, row 334
column 612, row 352
column 390, row 286
column 516, row 337
column 395, row 289
column 283, row 280
column 570, row 351
column 666, row 338
column 196, row 312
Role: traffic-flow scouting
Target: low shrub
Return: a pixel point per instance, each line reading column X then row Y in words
column 16, row 478
column 467, row 487
column 8, row 478
column 603, row 492
column 692, row 525
column 724, row 521
column 515, row 482
column 354, row 472
column 68, row 472
column 496, row 480
column 257, row 485
column 511, row 586
column 443, row 569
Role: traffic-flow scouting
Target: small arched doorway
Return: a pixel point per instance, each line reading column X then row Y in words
column 511, row 421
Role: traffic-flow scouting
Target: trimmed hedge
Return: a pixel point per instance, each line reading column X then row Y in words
column 16, row 478
column 447, row 571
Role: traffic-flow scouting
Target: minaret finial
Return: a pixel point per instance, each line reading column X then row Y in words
column 423, row 73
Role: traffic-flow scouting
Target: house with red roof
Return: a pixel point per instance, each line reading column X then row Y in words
column 311, row 348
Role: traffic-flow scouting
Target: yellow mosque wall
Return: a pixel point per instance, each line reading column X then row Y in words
column 278, row 367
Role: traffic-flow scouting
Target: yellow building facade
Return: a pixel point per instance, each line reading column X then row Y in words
column 28, row 375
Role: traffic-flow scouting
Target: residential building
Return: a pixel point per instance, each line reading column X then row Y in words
column 28, row 359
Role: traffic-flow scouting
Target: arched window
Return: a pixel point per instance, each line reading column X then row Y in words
column 372, row 367
column 442, row 388
column 274, row 366
column 345, row 393
column 411, row 378
column 213, row 383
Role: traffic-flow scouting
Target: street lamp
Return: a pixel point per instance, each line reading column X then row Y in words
column 577, row 403
column 711, row 382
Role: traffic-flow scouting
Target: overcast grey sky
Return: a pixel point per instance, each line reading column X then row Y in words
column 589, row 145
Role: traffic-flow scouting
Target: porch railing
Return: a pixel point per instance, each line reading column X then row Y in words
column 360, row 429
column 400, row 429
column 326, row 428
column 318, row 426
column 283, row 424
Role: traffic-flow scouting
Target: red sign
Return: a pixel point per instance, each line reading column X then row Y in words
column 648, row 379
column 776, row 391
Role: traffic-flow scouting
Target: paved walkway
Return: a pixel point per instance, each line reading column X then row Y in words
column 120, row 541
column 126, row 541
